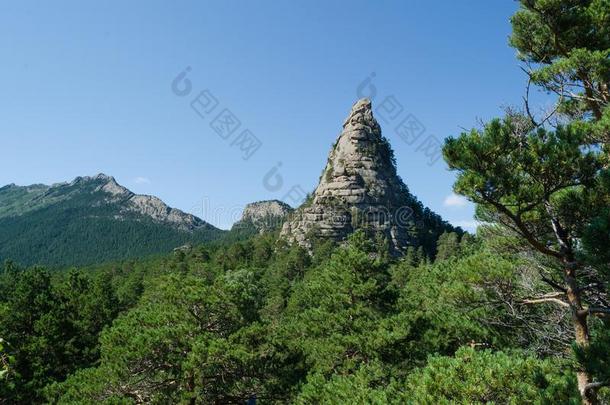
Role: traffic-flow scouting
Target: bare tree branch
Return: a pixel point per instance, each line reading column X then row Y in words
column 551, row 297
column 596, row 385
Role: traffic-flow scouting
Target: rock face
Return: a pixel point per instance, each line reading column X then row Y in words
column 158, row 211
column 360, row 189
column 264, row 216
column 146, row 205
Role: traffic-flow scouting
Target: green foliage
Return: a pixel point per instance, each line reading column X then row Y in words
column 74, row 233
column 193, row 334
column 75, row 224
column 148, row 351
column 250, row 316
column 367, row 385
column 332, row 314
column 489, row 377
column 280, row 276
column 596, row 236
column 546, row 189
column 5, row 362
column 566, row 45
column 17, row 200
column 515, row 174
column 224, row 323
column 449, row 304
column 452, row 244
column 51, row 323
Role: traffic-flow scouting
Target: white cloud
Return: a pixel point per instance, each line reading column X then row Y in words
column 142, row 180
column 454, row 200
column 467, row 224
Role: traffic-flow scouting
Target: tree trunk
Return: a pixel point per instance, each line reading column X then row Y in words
column 581, row 331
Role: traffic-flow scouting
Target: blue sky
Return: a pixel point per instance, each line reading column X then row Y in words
column 87, row 88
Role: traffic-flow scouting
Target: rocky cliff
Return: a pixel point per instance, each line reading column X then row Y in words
column 264, row 216
column 360, row 189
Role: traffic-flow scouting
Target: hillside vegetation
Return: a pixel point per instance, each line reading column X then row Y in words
column 329, row 309
column 258, row 319
column 88, row 221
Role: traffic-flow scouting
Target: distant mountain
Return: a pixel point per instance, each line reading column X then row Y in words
column 90, row 220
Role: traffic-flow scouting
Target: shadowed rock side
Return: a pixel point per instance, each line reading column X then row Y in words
column 360, row 189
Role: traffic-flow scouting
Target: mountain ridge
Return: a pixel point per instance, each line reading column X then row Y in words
column 91, row 219
column 94, row 218
column 144, row 204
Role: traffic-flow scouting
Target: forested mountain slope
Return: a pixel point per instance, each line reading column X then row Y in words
column 90, row 220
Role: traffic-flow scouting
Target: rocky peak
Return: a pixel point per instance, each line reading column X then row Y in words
column 101, row 177
column 124, row 200
column 359, row 189
column 264, row 215
column 361, row 116
column 8, row 186
column 264, row 209
column 110, row 186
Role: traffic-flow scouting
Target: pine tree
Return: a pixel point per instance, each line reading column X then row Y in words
column 539, row 185
column 565, row 45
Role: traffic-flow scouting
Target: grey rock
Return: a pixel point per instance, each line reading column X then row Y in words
column 146, row 205
column 264, row 216
column 360, row 189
